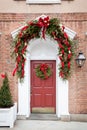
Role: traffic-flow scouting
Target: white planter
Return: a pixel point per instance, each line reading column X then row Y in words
column 8, row 116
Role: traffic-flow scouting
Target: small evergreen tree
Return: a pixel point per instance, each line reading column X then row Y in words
column 5, row 95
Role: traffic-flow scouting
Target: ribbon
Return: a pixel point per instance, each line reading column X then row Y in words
column 14, row 71
column 44, row 68
column 61, row 74
column 3, row 76
column 23, row 50
column 69, row 65
column 43, row 23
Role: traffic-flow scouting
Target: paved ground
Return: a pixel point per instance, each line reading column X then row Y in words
column 46, row 125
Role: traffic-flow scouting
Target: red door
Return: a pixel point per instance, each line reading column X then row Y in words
column 43, row 92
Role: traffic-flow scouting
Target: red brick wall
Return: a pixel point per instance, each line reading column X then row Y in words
column 78, row 80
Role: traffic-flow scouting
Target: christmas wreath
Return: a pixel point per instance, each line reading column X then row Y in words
column 43, row 71
column 37, row 29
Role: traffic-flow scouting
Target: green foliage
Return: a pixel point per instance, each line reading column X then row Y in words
column 38, row 29
column 5, row 95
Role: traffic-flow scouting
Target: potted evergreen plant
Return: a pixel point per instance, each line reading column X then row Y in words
column 8, row 109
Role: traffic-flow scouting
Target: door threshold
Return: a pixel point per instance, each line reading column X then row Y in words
column 35, row 116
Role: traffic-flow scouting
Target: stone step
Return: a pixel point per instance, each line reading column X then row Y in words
column 43, row 117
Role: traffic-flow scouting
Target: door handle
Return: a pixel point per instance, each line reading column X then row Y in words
column 31, row 91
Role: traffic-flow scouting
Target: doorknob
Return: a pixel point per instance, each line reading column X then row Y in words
column 31, row 91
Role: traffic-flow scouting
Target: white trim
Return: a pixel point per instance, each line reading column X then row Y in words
column 16, row 31
column 61, row 86
column 69, row 32
column 24, row 91
column 42, row 1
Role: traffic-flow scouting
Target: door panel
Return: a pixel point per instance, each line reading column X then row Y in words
column 43, row 92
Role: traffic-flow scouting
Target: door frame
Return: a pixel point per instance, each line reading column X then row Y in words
column 56, row 87
column 24, row 88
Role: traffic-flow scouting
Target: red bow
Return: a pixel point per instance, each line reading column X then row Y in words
column 3, row 76
column 44, row 23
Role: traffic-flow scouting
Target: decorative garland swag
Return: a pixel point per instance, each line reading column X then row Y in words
column 40, row 28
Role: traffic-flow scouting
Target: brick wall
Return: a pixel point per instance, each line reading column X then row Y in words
column 78, row 80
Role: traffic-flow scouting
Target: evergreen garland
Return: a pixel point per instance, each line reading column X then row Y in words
column 40, row 28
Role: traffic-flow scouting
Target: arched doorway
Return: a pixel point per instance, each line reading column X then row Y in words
column 40, row 49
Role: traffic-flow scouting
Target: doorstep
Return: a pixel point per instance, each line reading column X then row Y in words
column 43, row 117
